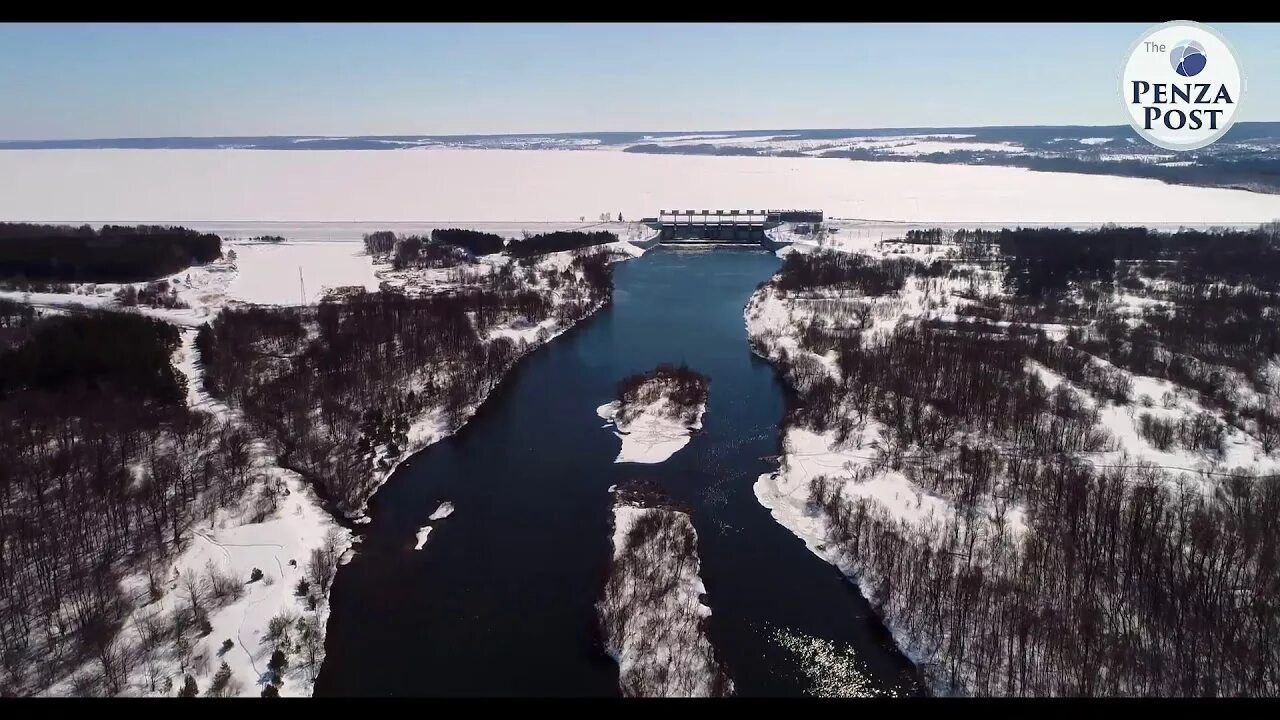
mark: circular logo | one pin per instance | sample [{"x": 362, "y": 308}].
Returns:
[
  {"x": 1188, "y": 58},
  {"x": 1174, "y": 97}
]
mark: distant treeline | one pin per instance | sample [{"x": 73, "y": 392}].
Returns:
[
  {"x": 1239, "y": 170},
  {"x": 449, "y": 246},
  {"x": 697, "y": 149},
  {"x": 113, "y": 253},
  {"x": 1256, "y": 174},
  {"x": 444, "y": 248},
  {"x": 473, "y": 241},
  {"x": 558, "y": 242},
  {"x": 1047, "y": 261}
]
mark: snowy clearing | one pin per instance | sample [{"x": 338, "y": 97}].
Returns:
[{"x": 269, "y": 273}]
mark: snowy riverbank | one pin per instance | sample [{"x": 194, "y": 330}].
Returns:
[
  {"x": 433, "y": 425},
  {"x": 254, "y": 581}
]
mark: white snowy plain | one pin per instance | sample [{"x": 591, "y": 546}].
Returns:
[
  {"x": 549, "y": 185},
  {"x": 292, "y": 273}
]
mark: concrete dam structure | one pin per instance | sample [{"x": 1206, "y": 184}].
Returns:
[{"x": 724, "y": 226}]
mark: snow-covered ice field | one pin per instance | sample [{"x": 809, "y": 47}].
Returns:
[
  {"x": 268, "y": 273},
  {"x": 448, "y": 184}
]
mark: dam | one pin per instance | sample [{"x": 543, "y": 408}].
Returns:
[{"x": 726, "y": 226}]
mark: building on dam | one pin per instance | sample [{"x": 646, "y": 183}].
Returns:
[{"x": 726, "y": 226}]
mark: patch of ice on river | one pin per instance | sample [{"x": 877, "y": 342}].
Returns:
[{"x": 832, "y": 669}]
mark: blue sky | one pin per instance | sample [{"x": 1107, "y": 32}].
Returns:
[{"x": 120, "y": 80}]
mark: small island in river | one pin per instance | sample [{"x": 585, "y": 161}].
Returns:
[{"x": 656, "y": 412}]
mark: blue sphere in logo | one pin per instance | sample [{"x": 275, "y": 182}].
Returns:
[{"x": 1188, "y": 58}]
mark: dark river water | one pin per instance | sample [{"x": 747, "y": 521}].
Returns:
[{"x": 500, "y": 600}]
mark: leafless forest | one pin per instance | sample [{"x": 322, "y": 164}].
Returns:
[{"x": 1132, "y": 578}]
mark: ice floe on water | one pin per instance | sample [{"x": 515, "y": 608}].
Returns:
[
  {"x": 832, "y": 669},
  {"x": 444, "y": 510},
  {"x": 423, "y": 532}
]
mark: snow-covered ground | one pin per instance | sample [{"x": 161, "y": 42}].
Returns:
[
  {"x": 1242, "y": 451},
  {"x": 256, "y": 273},
  {"x": 202, "y": 288},
  {"x": 273, "y": 529},
  {"x": 278, "y": 273},
  {"x": 653, "y": 435},
  {"x": 464, "y": 185},
  {"x": 280, "y": 547},
  {"x": 652, "y": 612}
]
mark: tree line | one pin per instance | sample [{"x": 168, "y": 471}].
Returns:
[
  {"x": 113, "y": 253},
  {"x": 1046, "y": 261},
  {"x": 851, "y": 270},
  {"x": 473, "y": 241},
  {"x": 559, "y": 241},
  {"x": 1259, "y": 174}
]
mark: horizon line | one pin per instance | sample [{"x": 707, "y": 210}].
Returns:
[{"x": 584, "y": 132}]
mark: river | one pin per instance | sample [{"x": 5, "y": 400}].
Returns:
[{"x": 500, "y": 599}]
